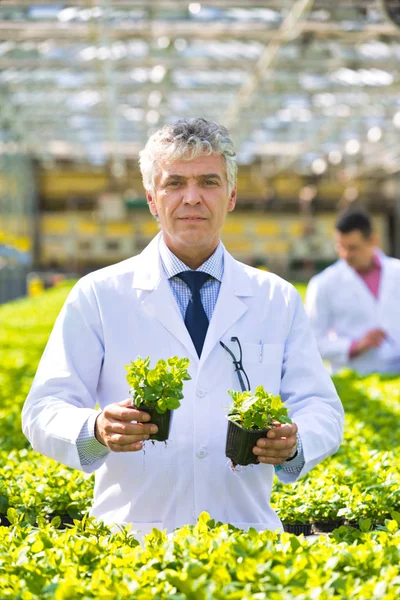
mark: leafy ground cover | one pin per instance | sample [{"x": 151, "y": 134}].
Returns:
[
  {"x": 38, "y": 559},
  {"x": 201, "y": 562},
  {"x": 363, "y": 479}
]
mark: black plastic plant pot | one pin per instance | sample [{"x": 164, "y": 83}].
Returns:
[
  {"x": 353, "y": 524},
  {"x": 162, "y": 421},
  {"x": 326, "y": 526},
  {"x": 297, "y": 528},
  {"x": 65, "y": 520},
  {"x": 4, "y": 522},
  {"x": 240, "y": 442}
]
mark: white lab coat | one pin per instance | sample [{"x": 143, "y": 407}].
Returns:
[
  {"x": 127, "y": 310},
  {"x": 342, "y": 309}
]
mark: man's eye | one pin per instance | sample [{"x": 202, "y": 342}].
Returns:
[
  {"x": 210, "y": 182},
  {"x": 173, "y": 183}
]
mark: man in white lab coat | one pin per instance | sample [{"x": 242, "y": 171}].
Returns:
[
  {"x": 353, "y": 305},
  {"x": 139, "y": 307}
]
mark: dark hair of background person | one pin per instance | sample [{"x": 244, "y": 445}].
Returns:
[{"x": 354, "y": 219}]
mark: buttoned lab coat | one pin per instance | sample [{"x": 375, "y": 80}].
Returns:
[
  {"x": 118, "y": 313},
  {"x": 341, "y": 309}
]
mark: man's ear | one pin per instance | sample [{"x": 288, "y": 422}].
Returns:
[
  {"x": 232, "y": 199},
  {"x": 374, "y": 238},
  {"x": 151, "y": 203}
]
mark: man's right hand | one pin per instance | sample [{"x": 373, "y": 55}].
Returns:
[
  {"x": 114, "y": 427},
  {"x": 372, "y": 339}
]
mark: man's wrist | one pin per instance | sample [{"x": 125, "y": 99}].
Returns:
[
  {"x": 96, "y": 431},
  {"x": 356, "y": 349},
  {"x": 294, "y": 453},
  {"x": 298, "y": 447},
  {"x": 89, "y": 448},
  {"x": 295, "y": 464}
]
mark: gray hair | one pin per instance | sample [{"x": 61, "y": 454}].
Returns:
[{"x": 186, "y": 140}]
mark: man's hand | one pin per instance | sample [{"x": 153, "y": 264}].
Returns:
[
  {"x": 372, "y": 339},
  {"x": 115, "y": 430},
  {"x": 279, "y": 445}
]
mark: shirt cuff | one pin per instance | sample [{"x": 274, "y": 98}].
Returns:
[
  {"x": 296, "y": 464},
  {"x": 89, "y": 448}
]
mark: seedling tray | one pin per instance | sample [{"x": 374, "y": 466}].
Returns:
[{"x": 298, "y": 528}]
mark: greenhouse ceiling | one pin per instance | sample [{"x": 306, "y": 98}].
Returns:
[{"x": 302, "y": 85}]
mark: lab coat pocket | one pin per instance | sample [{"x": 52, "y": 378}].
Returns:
[
  {"x": 263, "y": 365},
  {"x": 263, "y": 353}
]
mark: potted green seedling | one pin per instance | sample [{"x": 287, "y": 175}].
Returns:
[
  {"x": 250, "y": 417},
  {"x": 158, "y": 391}
]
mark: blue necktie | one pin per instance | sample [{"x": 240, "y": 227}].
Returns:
[{"x": 196, "y": 320}]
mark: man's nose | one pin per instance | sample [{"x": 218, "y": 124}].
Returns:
[{"x": 192, "y": 194}]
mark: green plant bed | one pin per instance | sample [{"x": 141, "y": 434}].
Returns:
[{"x": 196, "y": 562}]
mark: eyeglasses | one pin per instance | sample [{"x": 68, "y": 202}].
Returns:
[{"x": 238, "y": 365}]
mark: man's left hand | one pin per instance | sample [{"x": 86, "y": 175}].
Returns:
[{"x": 278, "y": 446}]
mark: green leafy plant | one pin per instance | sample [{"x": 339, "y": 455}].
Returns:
[
  {"x": 161, "y": 387},
  {"x": 258, "y": 410}
]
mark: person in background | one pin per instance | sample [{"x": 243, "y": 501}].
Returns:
[
  {"x": 354, "y": 305},
  {"x": 183, "y": 295}
]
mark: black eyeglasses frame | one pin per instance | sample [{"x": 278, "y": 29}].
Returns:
[{"x": 239, "y": 369}]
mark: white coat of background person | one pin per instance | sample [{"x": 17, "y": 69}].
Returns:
[
  {"x": 133, "y": 309},
  {"x": 354, "y": 305}
]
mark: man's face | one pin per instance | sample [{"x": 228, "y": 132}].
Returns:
[
  {"x": 191, "y": 201},
  {"x": 355, "y": 249}
]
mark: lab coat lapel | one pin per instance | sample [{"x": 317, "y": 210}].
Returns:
[
  {"x": 229, "y": 307},
  {"x": 158, "y": 299},
  {"x": 357, "y": 285},
  {"x": 387, "y": 284}
]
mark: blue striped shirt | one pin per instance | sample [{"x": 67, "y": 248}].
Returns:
[
  {"x": 89, "y": 449},
  {"x": 214, "y": 266}
]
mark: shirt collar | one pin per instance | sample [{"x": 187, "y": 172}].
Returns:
[
  {"x": 376, "y": 261},
  {"x": 172, "y": 265}
]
